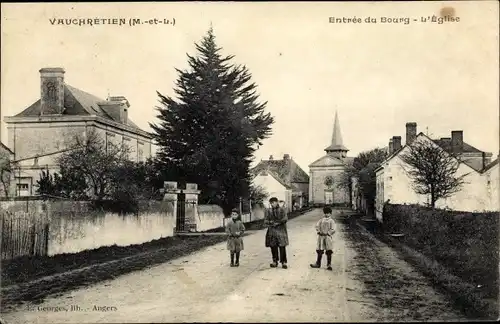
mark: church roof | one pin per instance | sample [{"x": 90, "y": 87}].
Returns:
[
  {"x": 331, "y": 161},
  {"x": 287, "y": 170},
  {"x": 76, "y": 103},
  {"x": 337, "y": 143}
]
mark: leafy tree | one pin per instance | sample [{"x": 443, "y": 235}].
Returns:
[
  {"x": 65, "y": 184},
  {"x": 433, "y": 170},
  {"x": 258, "y": 194},
  {"x": 363, "y": 168},
  {"x": 210, "y": 132},
  {"x": 46, "y": 184},
  {"x": 70, "y": 184}
]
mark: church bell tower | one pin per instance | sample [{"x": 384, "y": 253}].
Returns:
[{"x": 337, "y": 148}]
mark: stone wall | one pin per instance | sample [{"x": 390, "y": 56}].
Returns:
[{"x": 74, "y": 226}]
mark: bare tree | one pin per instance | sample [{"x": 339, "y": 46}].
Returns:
[
  {"x": 433, "y": 170},
  {"x": 94, "y": 160},
  {"x": 7, "y": 168}
]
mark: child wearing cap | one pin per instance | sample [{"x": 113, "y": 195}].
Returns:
[
  {"x": 325, "y": 228},
  {"x": 234, "y": 231}
]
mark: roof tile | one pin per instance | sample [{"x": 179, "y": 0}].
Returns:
[
  {"x": 288, "y": 171},
  {"x": 76, "y": 103}
]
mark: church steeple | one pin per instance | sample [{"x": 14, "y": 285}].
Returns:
[{"x": 337, "y": 148}]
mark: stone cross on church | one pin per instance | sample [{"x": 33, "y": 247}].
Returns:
[{"x": 325, "y": 172}]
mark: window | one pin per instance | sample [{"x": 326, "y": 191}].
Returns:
[{"x": 22, "y": 186}]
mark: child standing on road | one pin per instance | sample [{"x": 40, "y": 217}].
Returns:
[
  {"x": 234, "y": 231},
  {"x": 325, "y": 229}
]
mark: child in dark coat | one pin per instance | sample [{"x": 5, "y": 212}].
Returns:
[{"x": 234, "y": 231}]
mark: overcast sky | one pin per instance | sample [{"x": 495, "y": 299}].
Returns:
[{"x": 377, "y": 76}]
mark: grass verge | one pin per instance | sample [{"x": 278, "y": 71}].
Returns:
[
  {"x": 400, "y": 294},
  {"x": 471, "y": 300}
]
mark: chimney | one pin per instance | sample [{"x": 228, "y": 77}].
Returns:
[
  {"x": 52, "y": 91},
  {"x": 391, "y": 146},
  {"x": 457, "y": 141},
  {"x": 411, "y": 132},
  {"x": 117, "y": 108},
  {"x": 396, "y": 143},
  {"x": 286, "y": 157},
  {"x": 271, "y": 157}
]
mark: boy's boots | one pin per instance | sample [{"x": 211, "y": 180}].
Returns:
[
  {"x": 329, "y": 260},
  {"x": 237, "y": 264},
  {"x": 318, "y": 260},
  {"x": 232, "y": 259}
]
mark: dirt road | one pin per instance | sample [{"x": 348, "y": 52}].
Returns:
[{"x": 202, "y": 287}]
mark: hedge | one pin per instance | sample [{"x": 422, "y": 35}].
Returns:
[{"x": 465, "y": 243}]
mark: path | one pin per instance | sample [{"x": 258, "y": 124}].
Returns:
[{"x": 202, "y": 287}]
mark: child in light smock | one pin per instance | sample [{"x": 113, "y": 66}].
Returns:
[
  {"x": 234, "y": 231},
  {"x": 325, "y": 228}
]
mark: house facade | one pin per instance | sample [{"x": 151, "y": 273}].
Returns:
[
  {"x": 283, "y": 179},
  {"x": 393, "y": 183},
  {"x": 274, "y": 187},
  {"x": 43, "y": 131},
  {"x": 326, "y": 172}
]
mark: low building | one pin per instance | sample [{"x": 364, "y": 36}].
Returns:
[
  {"x": 283, "y": 179},
  {"x": 393, "y": 183},
  {"x": 44, "y": 130}
]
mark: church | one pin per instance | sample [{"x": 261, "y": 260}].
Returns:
[{"x": 325, "y": 173}]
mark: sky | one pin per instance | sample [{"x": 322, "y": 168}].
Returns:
[{"x": 377, "y": 76}]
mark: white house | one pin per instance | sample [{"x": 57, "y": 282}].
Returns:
[
  {"x": 275, "y": 187},
  {"x": 476, "y": 194},
  {"x": 283, "y": 179}
]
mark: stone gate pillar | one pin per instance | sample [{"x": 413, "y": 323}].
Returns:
[
  {"x": 170, "y": 199},
  {"x": 191, "y": 193}
]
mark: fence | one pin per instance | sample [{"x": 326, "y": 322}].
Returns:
[{"x": 23, "y": 233}]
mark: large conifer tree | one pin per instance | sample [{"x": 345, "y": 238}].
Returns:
[{"x": 211, "y": 130}]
